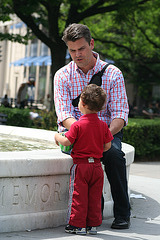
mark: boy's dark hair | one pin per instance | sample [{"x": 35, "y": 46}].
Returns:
[
  {"x": 76, "y": 31},
  {"x": 94, "y": 97}
]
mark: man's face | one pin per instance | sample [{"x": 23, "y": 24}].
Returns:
[{"x": 81, "y": 53}]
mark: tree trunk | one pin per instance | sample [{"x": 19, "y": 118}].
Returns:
[{"x": 58, "y": 56}]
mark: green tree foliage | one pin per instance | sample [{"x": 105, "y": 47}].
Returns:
[
  {"x": 131, "y": 39},
  {"x": 127, "y": 30}
]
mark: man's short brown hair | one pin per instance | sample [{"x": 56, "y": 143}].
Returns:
[
  {"x": 76, "y": 31},
  {"x": 94, "y": 97}
]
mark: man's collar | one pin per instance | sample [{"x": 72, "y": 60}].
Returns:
[{"x": 95, "y": 68}]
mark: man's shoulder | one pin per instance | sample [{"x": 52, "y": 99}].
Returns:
[
  {"x": 111, "y": 70},
  {"x": 66, "y": 69},
  {"x": 110, "y": 66}
]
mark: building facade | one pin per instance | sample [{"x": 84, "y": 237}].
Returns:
[{"x": 19, "y": 62}]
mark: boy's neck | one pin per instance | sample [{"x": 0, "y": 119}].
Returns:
[{"x": 87, "y": 111}]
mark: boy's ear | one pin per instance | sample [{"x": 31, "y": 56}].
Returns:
[{"x": 83, "y": 103}]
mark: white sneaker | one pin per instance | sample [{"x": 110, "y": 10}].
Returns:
[
  {"x": 92, "y": 230},
  {"x": 81, "y": 231}
]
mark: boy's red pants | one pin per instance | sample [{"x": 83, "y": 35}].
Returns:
[{"x": 86, "y": 184}]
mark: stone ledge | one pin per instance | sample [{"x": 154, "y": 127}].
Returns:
[
  {"x": 25, "y": 222},
  {"x": 34, "y": 163},
  {"x": 40, "y": 162},
  {"x": 34, "y": 184}
]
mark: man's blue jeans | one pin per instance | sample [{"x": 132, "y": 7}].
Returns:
[{"x": 115, "y": 168}]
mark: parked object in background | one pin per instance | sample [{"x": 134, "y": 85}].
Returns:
[
  {"x": 34, "y": 115},
  {"x": 3, "y": 119}
]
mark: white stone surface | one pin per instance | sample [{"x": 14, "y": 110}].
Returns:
[
  {"x": 34, "y": 163},
  {"x": 28, "y": 132},
  {"x": 34, "y": 184}
]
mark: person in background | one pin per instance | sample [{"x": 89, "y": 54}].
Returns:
[
  {"x": 90, "y": 136},
  {"x": 69, "y": 82},
  {"x": 47, "y": 102},
  {"x": 22, "y": 95},
  {"x": 157, "y": 109},
  {"x": 31, "y": 91},
  {"x": 5, "y": 101},
  {"x": 148, "y": 112}
]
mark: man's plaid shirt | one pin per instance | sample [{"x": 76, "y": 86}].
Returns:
[{"x": 69, "y": 82}]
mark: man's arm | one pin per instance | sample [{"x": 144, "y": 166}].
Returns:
[
  {"x": 62, "y": 99},
  {"x": 107, "y": 146},
  {"x": 68, "y": 122},
  {"x": 116, "y": 125},
  {"x": 118, "y": 102}
]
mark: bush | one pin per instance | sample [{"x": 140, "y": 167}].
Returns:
[
  {"x": 17, "y": 117},
  {"x": 48, "y": 120},
  {"x": 144, "y": 135},
  {"x": 21, "y": 118}
]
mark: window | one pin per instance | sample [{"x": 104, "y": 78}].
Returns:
[
  {"x": 42, "y": 83},
  {"x": 34, "y": 47},
  {"x": 44, "y": 50}
]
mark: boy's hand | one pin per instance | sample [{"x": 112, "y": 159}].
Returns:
[{"x": 55, "y": 138}]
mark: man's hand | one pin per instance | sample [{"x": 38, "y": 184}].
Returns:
[{"x": 116, "y": 125}]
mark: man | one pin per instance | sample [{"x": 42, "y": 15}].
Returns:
[
  {"x": 69, "y": 82},
  {"x": 23, "y": 93}
]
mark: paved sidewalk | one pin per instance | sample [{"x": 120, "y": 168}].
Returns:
[{"x": 144, "y": 183}]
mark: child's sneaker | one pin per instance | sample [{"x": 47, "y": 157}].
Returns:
[
  {"x": 76, "y": 230},
  {"x": 81, "y": 231},
  {"x": 70, "y": 229},
  {"x": 92, "y": 230}
]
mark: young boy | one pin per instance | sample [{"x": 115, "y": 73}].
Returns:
[{"x": 90, "y": 137}]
